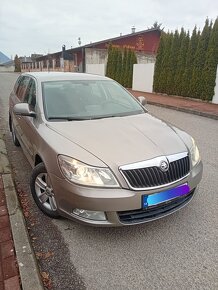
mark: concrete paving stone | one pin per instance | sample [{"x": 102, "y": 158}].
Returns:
[
  {"x": 2, "y": 147},
  {"x": 1, "y": 185},
  {"x": 4, "y": 164},
  {"x": 9, "y": 268},
  {"x": 5, "y": 235},
  {"x": 4, "y": 222},
  {"x": 12, "y": 283},
  {"x": 10, "y": 193},
  {"x": 7, "y": 249},
  {"x": 3, "y": 210}
]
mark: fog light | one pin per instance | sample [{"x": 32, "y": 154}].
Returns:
[{"x": 89, "y": 214}]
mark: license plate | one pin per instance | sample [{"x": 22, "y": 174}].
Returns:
[{"x": 156, "y": 198}]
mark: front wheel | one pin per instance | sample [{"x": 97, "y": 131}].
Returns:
[{"x": 42, "y": 191}]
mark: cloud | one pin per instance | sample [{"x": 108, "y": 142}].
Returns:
[{"x": 41, "y": 26}]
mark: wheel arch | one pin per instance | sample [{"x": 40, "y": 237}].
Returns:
[
  {"x": 9, "y": 121},
  {"x": 38, "y": 159}
]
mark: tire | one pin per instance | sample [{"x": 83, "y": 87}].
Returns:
[
  {"x": 42, "y": 191},
  {"x": 14, "y": 137}
]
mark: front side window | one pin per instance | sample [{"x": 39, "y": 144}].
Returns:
[
  {"x": 17, "y": 83},
  {"x": 22, "y": 87},
  {"x": 30, "y": 94},
  {"x": 87, "y": 99}
]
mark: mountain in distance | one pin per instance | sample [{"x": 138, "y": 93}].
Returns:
[{"x": 3, "y": 58}]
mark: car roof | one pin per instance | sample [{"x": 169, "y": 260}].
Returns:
[{"x": 58, "y": 76}]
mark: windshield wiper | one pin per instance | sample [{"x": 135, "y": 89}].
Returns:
[
  {"x": 69, "y": 118},
  {"x": 119, "y": 115},
  {"x": 103, "y": 117}
]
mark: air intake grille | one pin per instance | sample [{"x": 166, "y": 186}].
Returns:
[
  {"x": 141, "y": 215},
  {"x": 153, "y": 176}
]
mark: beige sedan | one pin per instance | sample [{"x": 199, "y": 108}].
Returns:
[{"x": 97, "y": 155}]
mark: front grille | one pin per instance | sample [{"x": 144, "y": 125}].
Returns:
[
  {"x": 153, "y": 176},
  {"x": 141, "y": 215}
]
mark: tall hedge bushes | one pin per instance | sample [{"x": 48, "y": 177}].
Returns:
[
  {"x": 187, "y": 65},
  {"x": 120, "y": 65}
]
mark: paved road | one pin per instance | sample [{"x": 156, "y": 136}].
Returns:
[{"x": 177, "y": 252}]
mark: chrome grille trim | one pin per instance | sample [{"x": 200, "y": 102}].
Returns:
[{"x": 146, "y": 175}]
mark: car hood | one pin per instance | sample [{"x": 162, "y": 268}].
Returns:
[{"x": 122, "y": 140}]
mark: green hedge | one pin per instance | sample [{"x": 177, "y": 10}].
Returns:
[
  {"x": 185, "y": 65},
  {"x": 120, "y": 65}
]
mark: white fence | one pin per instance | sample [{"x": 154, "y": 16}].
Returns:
[
  {"x": 215, "y": 97},
  {"x": 143, "y": 75},
  {"x": 97, "y": 69}
]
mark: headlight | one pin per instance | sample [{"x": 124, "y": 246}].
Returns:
[
  {"x": 84, "y": 174},
  {"x": 195, "y": 155}
]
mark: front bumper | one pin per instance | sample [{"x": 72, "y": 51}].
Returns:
[{"x": 119, "y": 202}]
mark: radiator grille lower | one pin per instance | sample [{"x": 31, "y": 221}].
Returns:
[{"x": 141, "y": 215}]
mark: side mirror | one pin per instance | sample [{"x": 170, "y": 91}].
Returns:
[
  {"x": 142, "y": 100},
  {"x": 23, "y": 109}
]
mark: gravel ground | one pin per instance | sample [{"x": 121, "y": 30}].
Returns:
[{"x": 177, "y": 252}]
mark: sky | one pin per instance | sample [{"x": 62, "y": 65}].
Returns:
[{"x": 43, "y": 26}]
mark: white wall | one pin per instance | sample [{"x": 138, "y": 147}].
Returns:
[
  {"x": 143, "y": 75},
  {"x": 98, "y": 69},
  {"x": 215, "y": 97},
  {"x": 7, "y": 68}
]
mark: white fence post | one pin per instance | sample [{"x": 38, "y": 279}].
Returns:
[
  {"x": 143, "y": 75},
  {"x": 215, "y": 97},
  {"x": 97, "y": 69}
]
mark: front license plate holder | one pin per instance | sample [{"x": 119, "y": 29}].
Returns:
[{"x": 164, "y": 196}]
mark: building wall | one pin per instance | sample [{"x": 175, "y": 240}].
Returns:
[
  {"x": 96, "y": 56},
  {"x": 66, "y": 66},
  {"x": 99, "y": 56},
  {"x": 146, "y": 42},
  {"x": 145, "y": 58}
]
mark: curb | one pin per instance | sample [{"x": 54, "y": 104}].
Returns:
[
  {"x": 28, "y": 269},
  {"x": 190, "y": 111}
]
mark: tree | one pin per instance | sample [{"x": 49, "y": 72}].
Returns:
[
  {"x": 196, "y": 85},
  {"x": 119, "y": 66},
  {"x": 159, "y": 63},
  {"x": 132, "y": 61},
  {"x": 210, "y": 66},
  {"x": 125, "y": 68},
  {"x": 166, "y": 63},
  {"x": 181, "y": 62},
  {"x": 190, "y": 58},
  {"x": 17, "y": 64},
  {"x": 109, "y": 61},
  {"x": 173, "y": 63},
  {"x": 156, "y": 25}
]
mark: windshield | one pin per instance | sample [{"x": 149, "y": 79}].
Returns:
[{"x": 87, "y": 99}]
